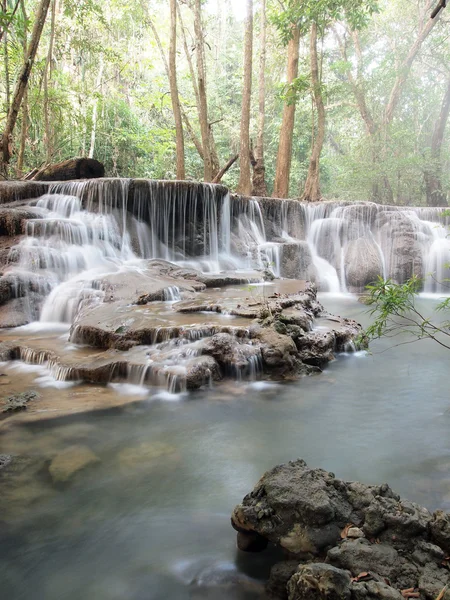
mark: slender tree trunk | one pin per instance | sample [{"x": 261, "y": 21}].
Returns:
[
  {"x": 245, "y": 185},
  {"x": 425, "y": 28},
  {"x": 259, "y": 171},
  {"x": 48, "y": 136},
  {"x": 195, "y": 139},
  {"x": 24, "y": 126},
  {"x": 197, "y": 143},
  {"x": 312, "y": 185},
  {"x": 433, "y": 185},
  {"x": 170, "y": 68},
  {"x": 21, "y": 86},
  {"x": 181, "y": 172},
  {"x": 95, "y": 109},
  {"x": 225, "y": 169},
  {"x": 6, "y": 62},
  {"x": 284, "y": 156},
  {"x": 201, "y": 83}
]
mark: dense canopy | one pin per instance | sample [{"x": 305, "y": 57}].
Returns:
[{"x": 328, "y": 98}]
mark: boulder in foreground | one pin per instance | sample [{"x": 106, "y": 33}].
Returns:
[{"x": 344, "y": 540}]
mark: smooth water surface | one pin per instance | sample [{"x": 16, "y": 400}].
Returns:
[{"x": 151, "y": 519}]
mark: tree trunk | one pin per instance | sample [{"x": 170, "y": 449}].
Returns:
[
  {"x": 259, "y": 171},
  {"x": 171, "y": 76},
  {"x": 95, "y": 109},
  {"x": 170, "y": 68},
  {"x": 24, "y": 126},
  {"x": 48, "y": 136},
  {"x": 312, "y": 185},
  {"x": 181, "y": 172},
  {"x": 245, "y": 186},
  {"x": 405, "y": 67},
  {"x": 195, "y": 139},
  {"x": 6, "y": 61},
  {"x": 284, "y": 156},
  {"x": 21, "y": 86},
  {"x": 211, "y": 150},
  {"x": 433, "y": 185},
  {"x": 23, "y": 136},
  {"x": 225, "y": 169},
  {"x": 201, "y": 82}
]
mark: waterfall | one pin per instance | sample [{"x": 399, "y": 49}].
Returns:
[{"x": 86, "y": 230}]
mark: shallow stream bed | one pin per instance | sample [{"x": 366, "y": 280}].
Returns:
[{"x": 150, "y": 519}]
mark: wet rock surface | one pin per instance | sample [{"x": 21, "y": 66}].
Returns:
[
  {"x": 188, "y": 343},
  {"x": 271, "y": 335},
  {"x": 363, "y": 263},
  {"x": 297, "y": 262},
  {"x": 349, "y": 540}
]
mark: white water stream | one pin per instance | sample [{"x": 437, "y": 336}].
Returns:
[{"x": 94, "y": 228}]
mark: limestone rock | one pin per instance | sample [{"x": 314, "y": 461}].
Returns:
[
  {"x": 278, "y": 351},
  {"x": 296, "y": 261},
  {"x": 319, "y": 582},
  {"x": 440, "y": 529},
  {"x": 362, "y": 263},
  {"x": 305, "y": 511},
  {"x": 355, "y": 532},
  {"x": 231, "y": 354},
  {"x": 71, "y": 461},
  {"x": 374, "y": 590},
  {"x": 201, "y": 371},
  {"x": 280, "y": 574}
]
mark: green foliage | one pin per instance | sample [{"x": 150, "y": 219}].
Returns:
[
  {"x": 291, "y": 93},
  {"x": 302, "y": 13},
  {"x": 395, "y": 312}
]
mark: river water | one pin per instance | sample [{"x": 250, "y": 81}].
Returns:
[{"x": 150, "y": 520}]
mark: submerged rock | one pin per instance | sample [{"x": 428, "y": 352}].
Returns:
[
  {"x": 71, "y": 461},
  {"x": 351, "y": 541},
  {"x": 144, "y": 454}
]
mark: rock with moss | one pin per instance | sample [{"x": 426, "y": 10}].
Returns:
[{"x": 17, "y": 402}]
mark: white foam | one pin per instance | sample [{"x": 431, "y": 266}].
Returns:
[
  {"x": 47, "y": 381},
  {"x": 41, "y": 327},
  {"x": 168, "y": 396},
  {"x": 263, "y": 385},
  {"x": 129, "y": 389}
]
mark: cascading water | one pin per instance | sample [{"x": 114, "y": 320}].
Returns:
[
  {"x": 92, "y": 228},
  {"x": 86, "y": 233}
]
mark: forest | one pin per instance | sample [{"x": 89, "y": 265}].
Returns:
[{"x": 336, "y": 99}]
